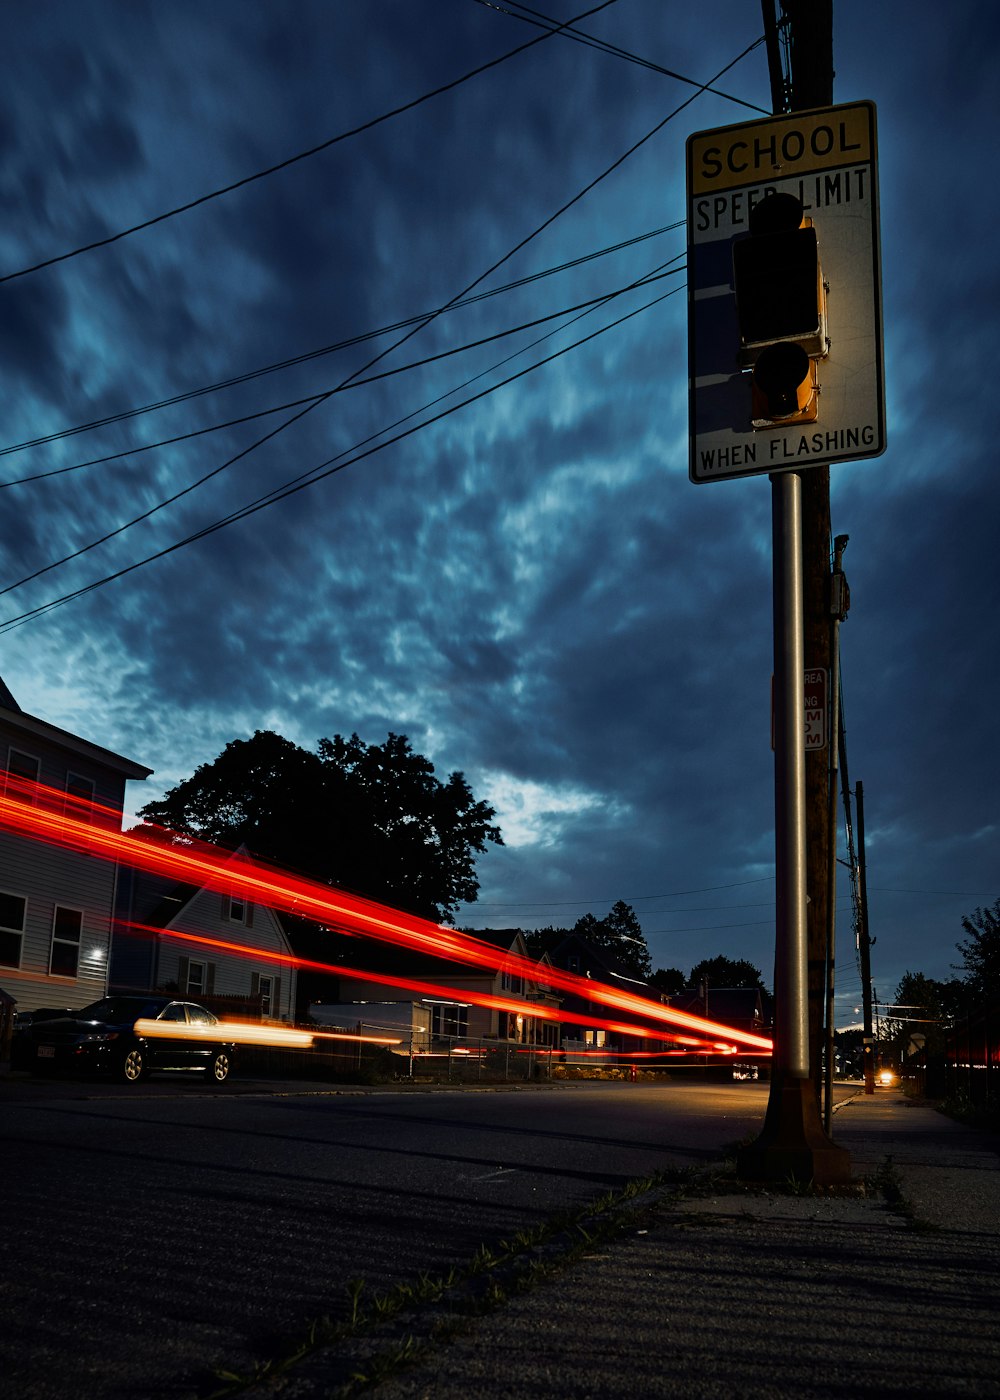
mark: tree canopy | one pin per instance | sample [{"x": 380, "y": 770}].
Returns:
[
  {"x": 618, "y": 934},
  {"x": 370, "y": 818},
  {"x": 726, "y": 972},
  {"x": 922, "y": 1007},
  {"x": 668, "y": 980},
  {"x": 981, "y": 953}
]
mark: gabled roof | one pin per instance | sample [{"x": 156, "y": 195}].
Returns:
[
  {"x": 731, "y": 1005},
  {"x": 506, "y": 938},
  {"x": 596, "y": 960},
  {"x": 167, "y": 903},
  {"x": 12, "y": 714},
  {"x": 375, "y": 955}
]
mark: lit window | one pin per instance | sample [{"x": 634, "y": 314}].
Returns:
[
  {"x": 67, "y": 925},
  {"x": 13, "y": 908}
]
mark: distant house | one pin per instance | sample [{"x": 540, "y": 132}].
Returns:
[
  {"x": 744, "y": 1008},
  {"x": 455, "y": 1014},
  {"x": 56, "y": 905},
  {"x": 571, "y": 952},
  {"x": 244, "y": 966}
]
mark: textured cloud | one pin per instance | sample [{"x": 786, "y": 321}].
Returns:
[{"x": 529, "y": 588}]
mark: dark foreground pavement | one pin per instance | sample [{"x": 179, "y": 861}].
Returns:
[{"x": 746, "y": 1296}]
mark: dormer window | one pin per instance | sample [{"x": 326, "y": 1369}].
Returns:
[{"x": 237, "y": 910}]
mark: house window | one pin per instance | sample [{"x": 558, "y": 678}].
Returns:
[
  {"x": 597, "y": 1038},
  {"x": 266, "y": 995},
  {"x": 67, "y": 926},
  {"x": 237, "y": 910},
  {"x": 510, "y": 983},
  {"x": 23, "y": 765},
  {"x": 82, "y": 789},
  {"x": 449, "y": 1020},
  {"x": 195, "y": 978},
  {"x": 13, "y": 908}
]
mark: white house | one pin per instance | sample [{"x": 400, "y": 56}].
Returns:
[
  {"x": 211, "y": 947},
  {"x": 56, "y": 905}
]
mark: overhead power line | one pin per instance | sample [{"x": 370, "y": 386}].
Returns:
[
  {"x": 326, "y": 469},
  {"x": 453, "y": 350},
  {"x": 308, "y": 402},
  {"x": 308, "y": 355},
  {"x": 628, "y": 899},
  {"x": 300, "y": 155},
  {"x": 954, "y": 894},
  {"x": 569, "y": 31},
  {"x": 339, "y": 463}
]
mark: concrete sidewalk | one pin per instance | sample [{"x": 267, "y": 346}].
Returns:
[{"x": 752, "y": 1296}]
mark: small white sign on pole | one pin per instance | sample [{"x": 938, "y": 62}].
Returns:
[{"x": 816, "y": 709}]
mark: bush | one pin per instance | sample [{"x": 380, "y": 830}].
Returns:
[{"x": 984, "y": 1115}]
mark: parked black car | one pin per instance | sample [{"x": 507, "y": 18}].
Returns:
[{"x": 102, "y": 1038}]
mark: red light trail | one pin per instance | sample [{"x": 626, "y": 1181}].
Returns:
[
  {"x": 436, "y": 990},
  {"x": 44, "y": 814}
]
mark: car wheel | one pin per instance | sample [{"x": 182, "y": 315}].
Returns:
[
  {"x": 218, "y": 1067},
  {"x": 133, "y": 1066}
]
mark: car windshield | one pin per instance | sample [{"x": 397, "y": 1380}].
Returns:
[{"x": 120, "y": 1009}]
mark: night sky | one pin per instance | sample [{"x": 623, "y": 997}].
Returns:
[{"x": 517, "y": 575}]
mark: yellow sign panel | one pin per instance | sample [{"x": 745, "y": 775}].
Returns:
[{"x": 780, "y": 147}]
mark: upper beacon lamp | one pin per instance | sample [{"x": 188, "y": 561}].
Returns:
[{"x": 781, "y": 311}]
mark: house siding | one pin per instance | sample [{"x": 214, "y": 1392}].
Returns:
[
  {"x": 482, "y": 1023},
  {"x": 156, "y": 957},
  {"x": 48, "y": 877}
]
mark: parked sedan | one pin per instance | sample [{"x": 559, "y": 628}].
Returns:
[{"x": 129, "y": 1037}]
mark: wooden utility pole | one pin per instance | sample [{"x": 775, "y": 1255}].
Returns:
[
  {"x": 793, "y": 1141},
  {"x": 805, "y": 29},
  {"x": 865, "y": 947}
]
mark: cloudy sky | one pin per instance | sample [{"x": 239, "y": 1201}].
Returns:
[{"x": 496, "y": 549}]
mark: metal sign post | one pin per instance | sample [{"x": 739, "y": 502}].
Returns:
[
  {"x": 791, "y": 1041},
  {"x": 793, "y": 1143}
]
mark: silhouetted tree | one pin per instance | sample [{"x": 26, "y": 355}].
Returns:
[
  {"x": 726, "y": 972},
  {"x": 920, "y": 1017},
  {"x": 981, "y": 953},
  {"x": 669, "y": 980},
  {"x": 620, "y": 934},
  {"x": 371, "y": 818}
]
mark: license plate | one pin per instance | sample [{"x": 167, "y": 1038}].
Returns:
[{"x": 46, "y": 1052}]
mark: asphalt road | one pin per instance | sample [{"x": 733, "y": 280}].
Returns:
[{"x": 154, "y": 1235}]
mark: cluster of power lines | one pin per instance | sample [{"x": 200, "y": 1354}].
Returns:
[{"x": 292, "y": 411}]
